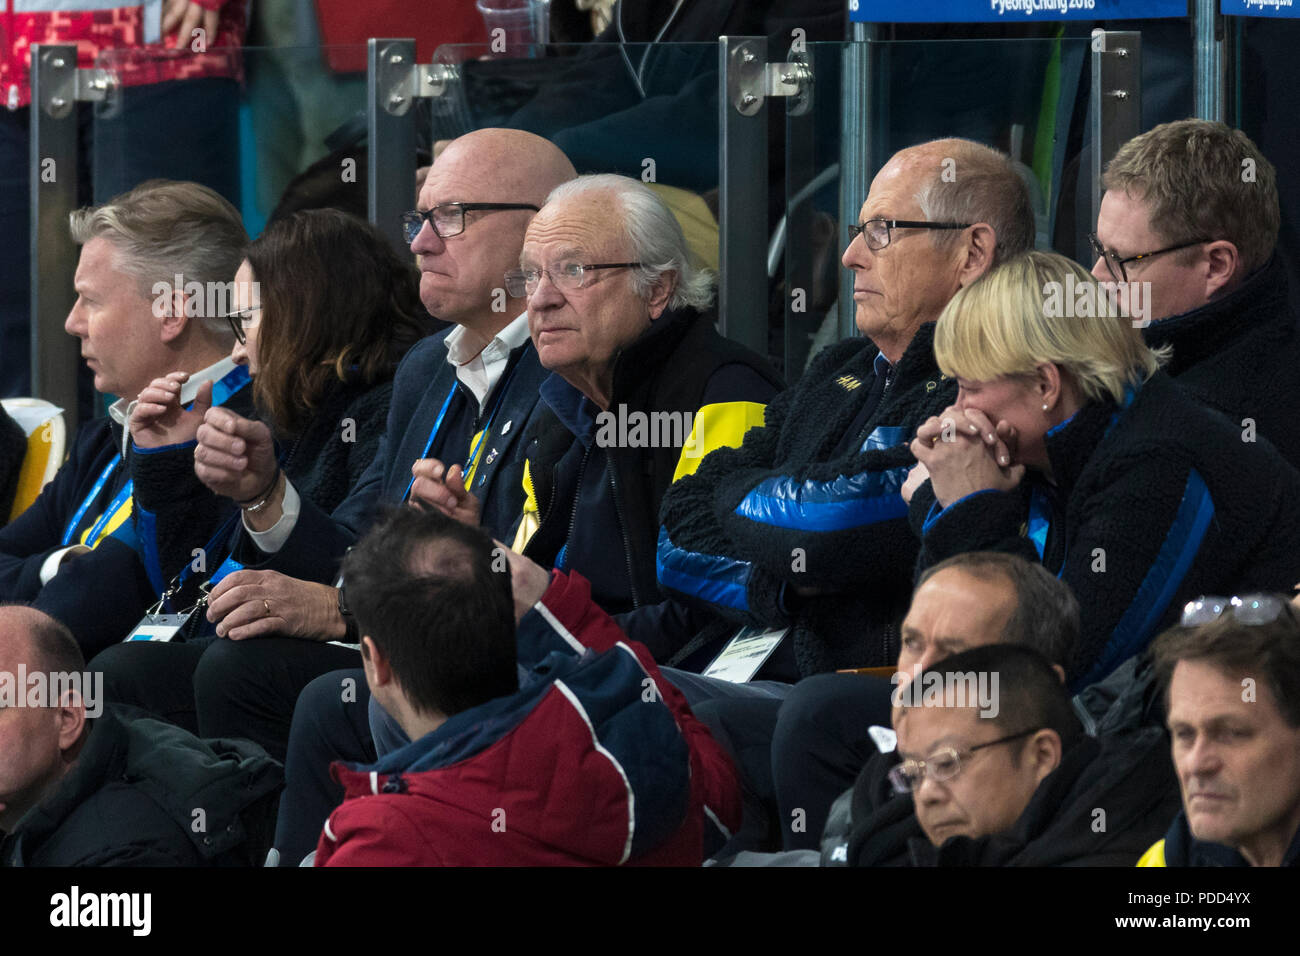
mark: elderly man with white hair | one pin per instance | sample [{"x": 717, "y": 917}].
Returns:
[{"x": 642, "y": 388}]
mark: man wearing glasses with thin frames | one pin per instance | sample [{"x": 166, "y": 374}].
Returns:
[
  {"x": 804, "y": 528},
  {"x": 1191, "y": 214}
]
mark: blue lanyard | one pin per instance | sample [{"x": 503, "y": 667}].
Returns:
[
  {"x": 229, "y": 383},
  {"x": 209, "y": 548},
  {"x": 487, "y": 426},
  {"x": 437, "y": 426},
  {"x": 89, "y": 500}
]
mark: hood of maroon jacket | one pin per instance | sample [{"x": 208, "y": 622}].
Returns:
[{"x": 597, "y": 760}]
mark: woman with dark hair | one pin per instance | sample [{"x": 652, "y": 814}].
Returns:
[{"x": 323, "y": 310}]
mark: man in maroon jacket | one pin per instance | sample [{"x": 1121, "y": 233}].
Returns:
[{"x": 555, "y": 742}]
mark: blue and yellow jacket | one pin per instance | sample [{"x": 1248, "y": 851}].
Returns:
[
  {"x": 812, "y": 500},
  {"x": 594, "y": 478}
]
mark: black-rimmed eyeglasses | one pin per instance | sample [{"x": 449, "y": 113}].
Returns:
[
  {"x": 1116, "y": 264},
  {"x": 878, "y": 233},
  {"x": 448, "y": 219},
  {"x": 241, "y": 320}
]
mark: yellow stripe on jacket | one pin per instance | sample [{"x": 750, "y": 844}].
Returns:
[
  {"x": 718, "y": 425},
  {"x": 721, "y": 425},
  {"x": 1155, "y": 856},
  {"x": 120, "y": 515}
]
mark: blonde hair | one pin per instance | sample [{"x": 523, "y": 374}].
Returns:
[
  {"x": 1202, "y": 180},
  {"x": 162, "y": 229},
  {"x": 1005, "y": 324}
]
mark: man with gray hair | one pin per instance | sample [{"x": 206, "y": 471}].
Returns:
[
  {"x": 642, "y": 388},
  {"x": 1188, "y": 230},
  {"x": 153, "y": 286},
  {"x": 803, "y": 529}
]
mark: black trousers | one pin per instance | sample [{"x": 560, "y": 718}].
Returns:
[
  {"x": 330, "y": 723},
  {"x": 797, "y": 755},
  {"x": 219, "y": 687}
]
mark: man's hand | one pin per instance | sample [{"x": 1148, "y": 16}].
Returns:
[
  {"x": 961, "y": 452},
  {"x": 528, "y": 580},
  {"x": 158, "y": 418},
  {"x": 235, "y": 457},
  {"x": 183, "y": 17},
  {"x": 260, "y": 603},
  {"x": 443, "y": 488}
]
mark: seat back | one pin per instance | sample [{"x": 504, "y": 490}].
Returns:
[{"x": 47, "y": 442}]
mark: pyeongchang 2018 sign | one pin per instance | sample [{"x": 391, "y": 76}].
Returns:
[
  {"x": 1260, "y": 8},
  {"x": 1000, "y": 11}
]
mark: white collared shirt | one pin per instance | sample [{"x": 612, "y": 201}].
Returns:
[{"x": 480, "y": 370}]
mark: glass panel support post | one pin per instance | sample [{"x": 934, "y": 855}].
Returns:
[
  {"x": 1115, "y": 105},
  {"x": 57, "y": 86},
  {"x": 742, "y": 191}
]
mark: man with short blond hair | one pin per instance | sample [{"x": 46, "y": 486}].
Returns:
[
  {"x": 149, "y": 259},
  {"x": 1188, "y": 230}
]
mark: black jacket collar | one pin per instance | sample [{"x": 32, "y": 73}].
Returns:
[
  {"x": 1071, "y": 444},
  {"x": 645, "y": 356},
  {"x": 1203, "y": 333}
]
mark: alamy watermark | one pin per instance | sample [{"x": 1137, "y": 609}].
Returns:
[
  {"x": 947, "y": 689},
  {"x": 212, "y": 300},
  {"x": 48, "y": 688},
  {"x": 1088, "y": 299},
  {"x": 637, "y": 429}
]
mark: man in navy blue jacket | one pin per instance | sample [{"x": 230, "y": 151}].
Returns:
[
  {"x": 461, "y": 399},
  {"x": 74, "y": 552}
]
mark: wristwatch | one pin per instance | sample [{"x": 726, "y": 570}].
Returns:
[{"x": 353, "y": 632}]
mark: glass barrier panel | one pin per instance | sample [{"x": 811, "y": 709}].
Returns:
[
  {"x": 266, "y": 127},
  {"x": 1026, "y": 97}
]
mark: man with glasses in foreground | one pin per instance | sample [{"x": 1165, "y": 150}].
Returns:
[
  {"x": 1007, "y": 781},
  {"x": 1188, "y": 231},
  {"x": 1231, "y": 680}
]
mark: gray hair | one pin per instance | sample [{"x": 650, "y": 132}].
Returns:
[
  {"x": 985, "y": 188},
  {"x": 163, "y": 229},
  {"x": 658, "y": 242},
  {"x": 1046, "y": 616}
]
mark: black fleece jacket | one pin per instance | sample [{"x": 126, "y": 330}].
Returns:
[
  {"x": 323, "y": 463},
  {"x": 1166, "y": 504},
  {"x": 789, "y": 509},
  {"x": 1240, "y": 355},
  {"x": 680, "y": 365}
]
